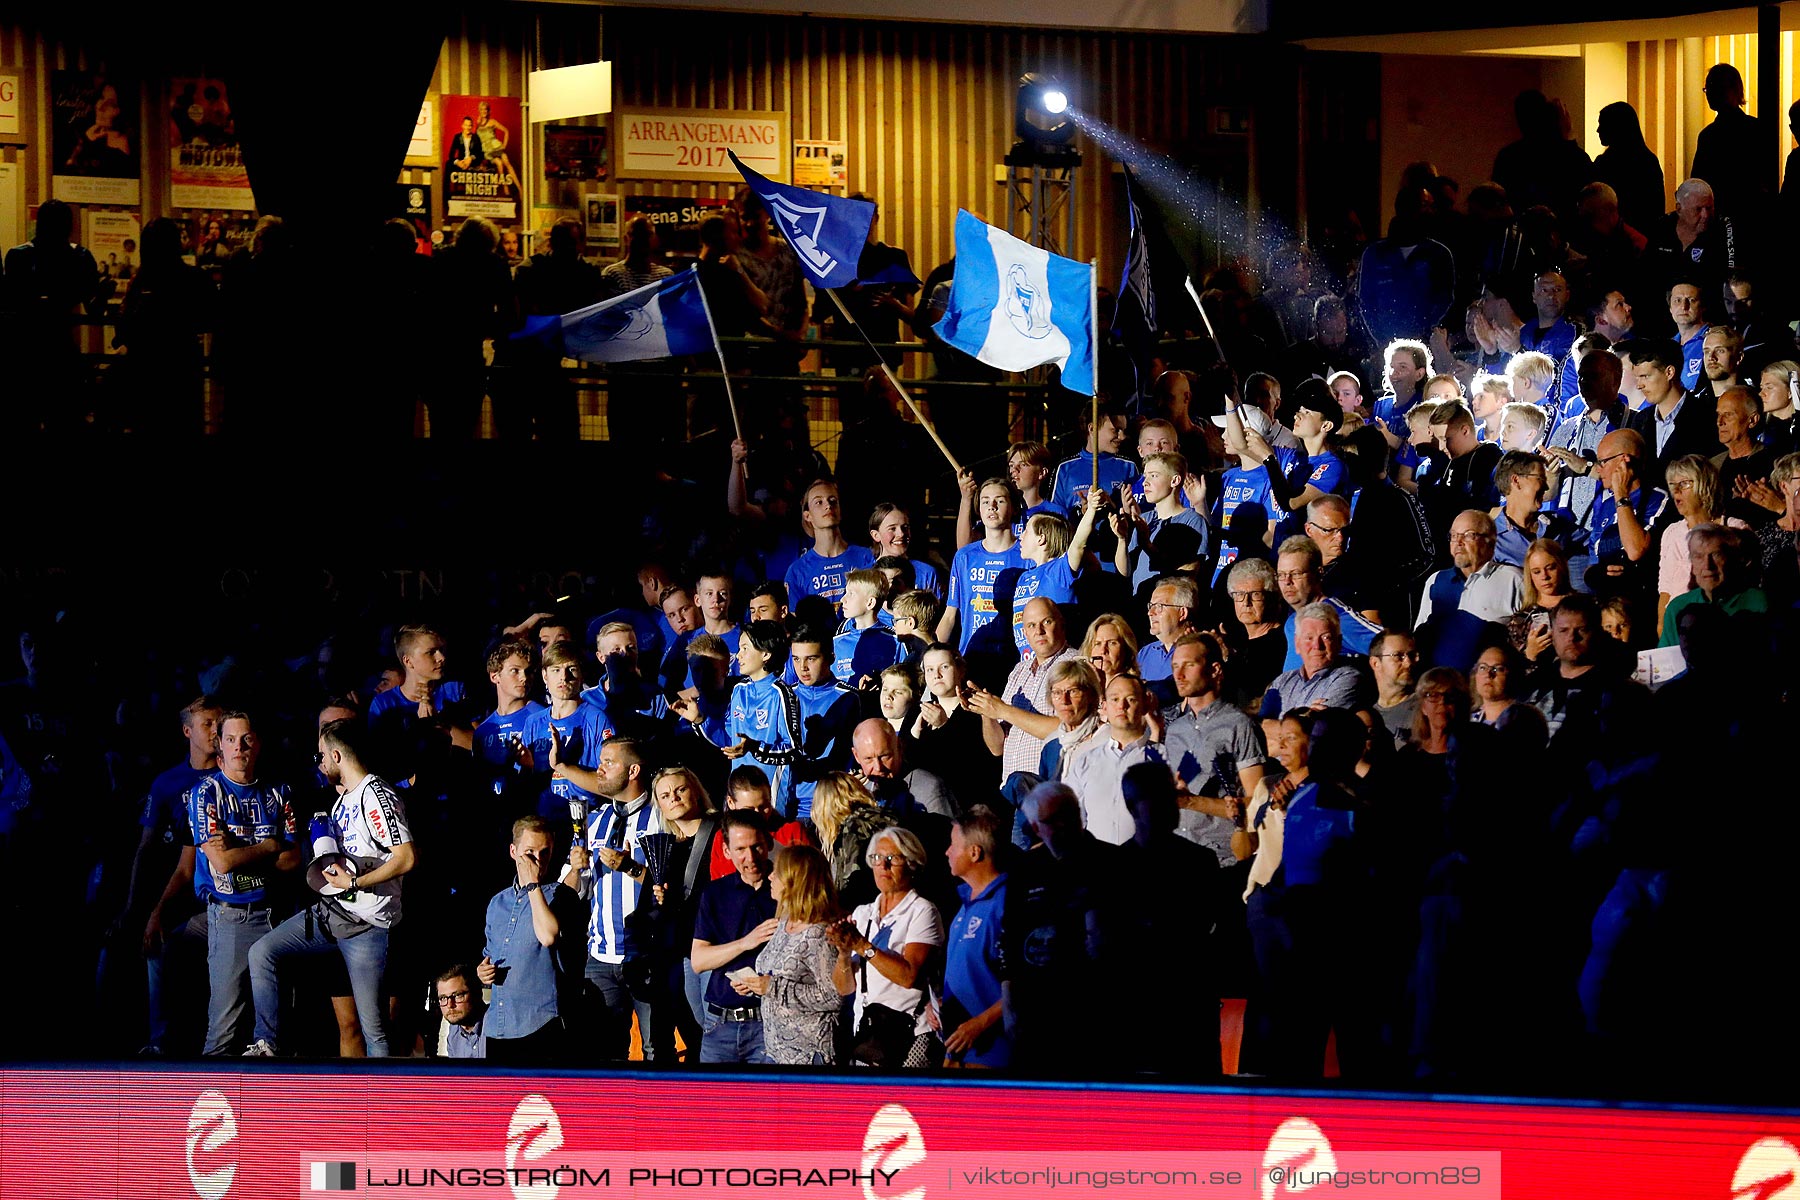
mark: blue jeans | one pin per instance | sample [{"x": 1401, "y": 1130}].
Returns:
[
  {"x": 180, "y": 947},
  {"x": 304, "y": 935},
  {"x": 725, "y": 1041},
  {"x": 230, "y": 933}
]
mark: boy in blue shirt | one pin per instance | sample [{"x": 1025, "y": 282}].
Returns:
[
  {"x": 764, "y": 724},
  {"x": 1075, "y": 475},
  {"x": 828, "y": 713},
  {"x": 864, "y": 646},
  {"x": 1053, "y": 562},
  {"x": 500, "y": 738},
  {"x": 822, "y": 570}
]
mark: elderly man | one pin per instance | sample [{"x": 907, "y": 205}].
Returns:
[
  {"x": 881, "y": 760},
  {"x": 1394, "y": 659},
  {"x": 1015, "y": 727},
  {"x": 1721, "y": 577},
  {"x": 1097, "y": 769},
  {"x": 1477, "y": 582},
  {"x": 1341, "y": 569},
  {"x": 1173, "y": 603},
  {"x": 1214, "y": 749},
  {"x": 1323, "y": 679},
  {"x": 1551, "y": 333},
  {"x": 1299, "y": 574},
  {"x": 1628, "y": 517},
  {"x": 1744, "y": 465}
]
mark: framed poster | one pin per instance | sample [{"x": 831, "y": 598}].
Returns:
[
  {"x": 820, "y": 164},
  {"x": 112, "y": 238},
  {"x": 210, "y": 238},
  {"x": 12, "y": 117},
  {"x": 480, "y": 177},
  {"x": 94, "y": 144},
  {"x": 602, "y": 221},
  {"x": 575, "y": 152},
  {"x": 206, "y": 168},
  {"x": 691, "y": 143}
]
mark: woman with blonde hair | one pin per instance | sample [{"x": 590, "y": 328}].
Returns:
[
  {"x": 1110, "y": 646},
  {"x": 1546, "y": 584},
  {"x": 800, "y": 1001},
  {"x": 1693, "y": 484},
  {"x": 846, "y": 817},
  {"x": 691, "y": 822}
]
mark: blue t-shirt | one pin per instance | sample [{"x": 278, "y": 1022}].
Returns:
[
  {"x": 925, "y": 576},
  {"x": 1247, "y": 488},
  {"x": 583, "y": 733},
  {"x": 1358, "y": 634},
  {"x": 1693, "y": 359},
  {"x": 394, "y": 726},
  {"x": 1137, "y": 491},
  {"x": 1054, "y": 580},
  {"x": 1312, "y": 835},
  {"x": 1143, "y": 569},
  {"x": 815, "y": 575},
  {"x": 493, "y": 744},
  {"x": 972, "y": 968},
  {"x": 1389, "y": 412},
  {"x": 247, "y": 813},
  {"x": 1076, "y": 475},
  {"x": 972, "y": 576},
  {"x": 828, "y": 713},
  {"x": 166, "y": 810},
  {"x": 1047, "y": 507},
  {"x": 859, "y": 652}
]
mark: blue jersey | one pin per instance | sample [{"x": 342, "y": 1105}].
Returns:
[
  {"x": 616, "y": 929},
  {"x": 1649, "y": 503},
  {"x": 1246, "y": 488},
  {"x": 1323, "y": 471},
  {"x": 1076, "y": 475},
  {"x": 394, "y": 723},
  {"x": 926, "y": 576},
  {"x": 972, "y": 576},
  {"x": 815, "y": 575},
  {"x": 1143, "y": 568},
  {"x": 166, "y": 810},
  {"x": 859, "y": 652},
  {"x": 583, "y": 733},
  {"x": 1054, "y": 580},
  {"x": 828, "y": 713},
  {"x": 1693, "y": 359},
  {"x": 493, "y": 744},
  {"x": 973, "y": 967},
  {"x": 1390, "y": 413},
  {"x": 1312, "y": 836},
  {"x": 246, "y": 813},
  {"x": 768, "y": 713},
  {"x": 1049, "y": 508}
]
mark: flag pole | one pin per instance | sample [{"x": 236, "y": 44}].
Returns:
[
  {"x": 1218, "y": 349},
  {"x": 1094, "y": 318},
  {"x": 736, "y": 428},
  {"x": 894, "y": 381}
]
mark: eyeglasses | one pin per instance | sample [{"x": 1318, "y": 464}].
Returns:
[
  {"x": 1400, "y": 655},
  {"x": 890, "y": 861},
  {"x": 1440, "y": 697},
  {"x": 1621, "y": 454},
  {"x": 1476, "y": 536},
  {"x": 1327, "y": 530},
  {"x": 1681, "y": 485},
  {"x": 1292, "y": 576},
  {"x": 1246, "y": 597},
  {"x": 446, "y": 999},
  {"x": 1158, "y": 605},
  {"x": 1490, "y": 668}
]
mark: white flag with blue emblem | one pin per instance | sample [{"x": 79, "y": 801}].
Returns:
[
  {"x": 827, "y": 233},
  {"x": 1016, "y": 306},
  {"x": 664, "y": 319}
]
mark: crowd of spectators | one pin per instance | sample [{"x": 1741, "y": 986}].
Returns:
[{"x": 1495, "y": 608}]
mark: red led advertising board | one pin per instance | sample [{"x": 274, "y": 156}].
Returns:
[{"x": 273, "y": 1132}]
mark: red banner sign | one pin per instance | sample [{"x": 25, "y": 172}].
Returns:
[{"x": 238, "y": 1135}]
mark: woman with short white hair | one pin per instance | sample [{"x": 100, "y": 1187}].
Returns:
[{"x": 887, "y": 953}]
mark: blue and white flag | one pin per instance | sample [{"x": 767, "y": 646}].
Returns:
[
  {"x": 1015, "y": 306},
  {"x": 826, "y": 232},
  {"x": 664, "y": 319}
]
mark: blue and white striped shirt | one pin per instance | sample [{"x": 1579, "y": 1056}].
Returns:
[{"x": 615, "y": 930}]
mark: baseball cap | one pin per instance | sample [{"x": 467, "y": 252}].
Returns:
[{"x": 1313, "y": 396}]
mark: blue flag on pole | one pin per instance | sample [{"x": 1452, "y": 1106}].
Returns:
[
  {"x": 1016, "y": 306},
  {"x": 826, "y": 232},
  {"x": 664, "y": 319}
]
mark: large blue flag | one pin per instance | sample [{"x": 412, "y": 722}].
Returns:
[
  {"x": 664, "y": 319},
  {"x": 1134, "y": 320},
  {"x": 1016, "y": 306},
  {"x": 826, "y": 232}
]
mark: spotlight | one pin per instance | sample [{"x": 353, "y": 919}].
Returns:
[
  {"x": 1055, "y": 101},
  {"x": 1043, "y": 125}
]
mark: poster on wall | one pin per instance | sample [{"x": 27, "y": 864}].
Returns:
[
  {"x": 422, "y": 150},
  {"x": 543, "y": 216},
  {"x": 412, "y": 203},
  {"x": 12, "y": 205},
  {"x": 820, "y": 164},
  {"x": 112, "y": 238},
  {"x": 602, "y": 223},
  {"x": 480, "y": 175},
  {"x": 94, "y": 129},
  {"x": 685, "y": 143},
  {"x": 575, "y": 152},
  {"x": 12, "y": 120},
  {"x": 209, "y": 238},
  {"x": 206, "y": 166},
  {"x": 676, "y": 219}
]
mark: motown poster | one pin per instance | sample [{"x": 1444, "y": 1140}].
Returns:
[
  {"x": 206, "y": 167},
  {"x": 94, "y": 137},
  {"x": 483, "y": 140}
]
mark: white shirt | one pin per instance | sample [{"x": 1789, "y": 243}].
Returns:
[
  {"x": 914, "y": 919},
  {"x": 1097, "y": 776},
  {"x": 1492, "y": 593},
  {"x": 370, "y": 821}
]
